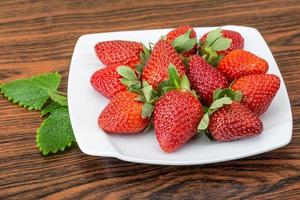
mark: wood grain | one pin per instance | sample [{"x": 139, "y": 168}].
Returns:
[{"x": 39, "y": 36}]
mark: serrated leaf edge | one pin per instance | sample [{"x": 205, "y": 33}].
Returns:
[
  {"x": 29, "y": 107},
  {"x": 47, "y": 152}
]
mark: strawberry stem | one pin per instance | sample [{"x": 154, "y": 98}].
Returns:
[{"x": 209, "y": 54}]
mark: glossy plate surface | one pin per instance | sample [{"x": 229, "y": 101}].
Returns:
[{"x": 85, "y": 104}]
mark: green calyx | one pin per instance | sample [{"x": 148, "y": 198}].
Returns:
[
  {"x": 184, "y": 43},
  {"x": 213, "y": 108},
  {"x": 185, "y": 61},
  {"x": 174, "y": 77},
  {"x": 234, "y": 95},
  {"x": 149, "y": 96},
  {"x": 221, "y": 97},
  {"x": 129, "y": 79},
  {"x": 146, "y": 93},
  {"x": 175, "y": 82},
  {"x": 214, "y": 42},
  {"x": 144, "y": 56}
]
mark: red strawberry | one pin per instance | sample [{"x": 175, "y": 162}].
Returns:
[
  {"x": 234, "y": 121},
  {"x": 119, "y": 52},
  {"x": 176, "y": 114},
  {"x": 181, "y": 30},
  {"x": 123, "y": 115},
  {"x": 258, "y": 91},
  {"x": 205, "y": 79},
  {"x": 176, "y": 117},
  {"x": 240, "y": 63},
  {"x": 107, "y": 82},
  {"x": 156, "y": 68},
  {"x": 237, "y": 41}
]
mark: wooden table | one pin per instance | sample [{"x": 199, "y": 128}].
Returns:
[{"x": 40, "y": 36}]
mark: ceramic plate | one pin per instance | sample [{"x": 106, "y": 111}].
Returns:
[{"x": 85, "y": 104}]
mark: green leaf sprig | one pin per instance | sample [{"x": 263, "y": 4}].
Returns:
[{"x": 40, "y": 93}]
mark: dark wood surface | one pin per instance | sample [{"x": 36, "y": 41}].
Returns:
[{"x": 39, "y": 36}]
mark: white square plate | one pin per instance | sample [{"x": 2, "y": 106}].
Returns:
[{"x": 85, "y": 105}]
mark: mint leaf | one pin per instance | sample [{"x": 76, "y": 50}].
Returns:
[
  {"x": 55, "y": 132},
  {"x": 32, "y": 93},
  {"x": 51, "y": 108},
  {"x": 62, "y": 100}
]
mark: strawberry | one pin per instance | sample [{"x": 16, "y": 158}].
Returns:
[
  {"x": 106, "y": 81},
  {"x": 130, "y": 110},
  {"x": 205, "y": 79},
  {"x": 240, "y": 63},
  {"x": 180, "y": 31},
  {"x": 176, "y": 114},
  {"x": 119, "y": 52},
  {"x": 234, "y": 121},
  {"x": 258, "y": 91},
  {"x": 156, "y": 68},
  {"x": 237, "y": 41},
  {"x": 123, "y": 115}
]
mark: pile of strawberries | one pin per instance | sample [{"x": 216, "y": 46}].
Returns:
[{"x": 183, "y": 87}]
